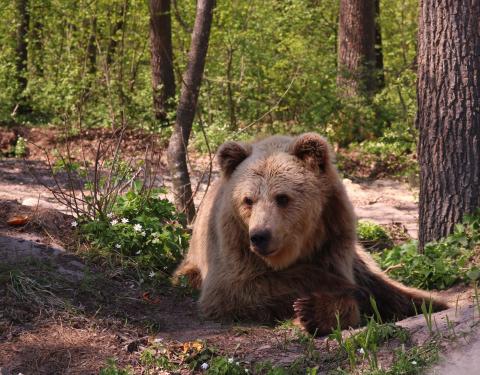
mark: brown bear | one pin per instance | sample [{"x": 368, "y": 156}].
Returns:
[{"x": 275, "y": 238}]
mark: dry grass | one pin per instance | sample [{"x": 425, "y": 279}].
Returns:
[{"x": 58, "y": 349}]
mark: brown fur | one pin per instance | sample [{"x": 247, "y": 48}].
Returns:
[{"x": 312, "y": 267}]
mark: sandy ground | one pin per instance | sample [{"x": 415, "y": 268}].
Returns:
[{"x": 382, "y": 201}]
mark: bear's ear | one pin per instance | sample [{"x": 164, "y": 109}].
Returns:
[
  {"x": 231, "y": 154},
  {"x": 312, "y": 149}
]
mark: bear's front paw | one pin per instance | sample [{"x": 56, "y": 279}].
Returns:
[
  {"x": 319, "y": 313},
  {"x": 306, "y": 316}
]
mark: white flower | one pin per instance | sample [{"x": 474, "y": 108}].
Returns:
[
  {"x": 246, "y": 370},
  {"x": 114, "y": 221},
  {"x": 124, "y": 220},
  {"x": 138, "y": 252},
  {"x": 204, "y": 366},
  {"x": 361, "y": 351},
  {"x": 74, "y": 224},
  {"x": 151, "y": 274},
  {"x": 118, "y": 246},
  {"x": 230, "y": 360},
  {"x": 110, "y": 215},
  {"x": 137, "y": 227},
  {"x": 238, "y": 363},
  {"x": 414, "y": 362},
  {"x": 143, "y": 233}
]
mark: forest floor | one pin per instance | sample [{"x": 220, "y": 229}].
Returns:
[{"x": 62, "y": 314}]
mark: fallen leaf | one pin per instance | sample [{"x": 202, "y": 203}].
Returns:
[
  {"x": 146, "y": 297},
  {"x": 18, "y": 220}
]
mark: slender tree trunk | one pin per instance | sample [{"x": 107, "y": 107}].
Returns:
[
  {"x": 163, "y": 78},
  {"x": 22, "y": 51},
  {"x": 37, "y": 46},
  {"x": 380, "y": 76},
  {"x": 91, "y": 47},
  {"x": 112, "y": 45},
  {"x": 177, "y": 148},
  {"x": 231, "y": 100},
  {"x": 356, "y": 48},
  {"x": 448, "y": 115}
]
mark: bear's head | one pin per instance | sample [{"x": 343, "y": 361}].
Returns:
[{"x": 277, "y": 190}]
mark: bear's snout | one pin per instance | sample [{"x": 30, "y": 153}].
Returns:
[{"x": 260, "y": 239}]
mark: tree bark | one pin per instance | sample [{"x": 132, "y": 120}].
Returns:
[
  {"x": 356, "y": 48},
  {"x": 380, "y": 76},
  {"x": 177, "y": 148},
  {"x": 448, "y": 117},
  {"x": 91, "y": 47},
  {"x": 163, "y": 78},
  {"x": 119, "y": 25},
  {"x": 22, "y": 50}
]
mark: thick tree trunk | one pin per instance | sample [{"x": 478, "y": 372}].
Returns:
[
  {"x": 177, "y": 148},
  {"x": 356, "y": 48},
  {"x": 22, "y": 50},
  {"x": 163, "y": 78},
  {"x": 448, "y": 115}
]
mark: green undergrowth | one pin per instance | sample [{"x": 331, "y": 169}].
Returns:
[
  {"x": 441, "y": 264},
  {"x": 373, "y": 236},
  {"x": 112, "y": 368},
  {"x": 363, "y": 349},
  {"x": 391, "y": 154},
  {"x": 141, "y": 232}
]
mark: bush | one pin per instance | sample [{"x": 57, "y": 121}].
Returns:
[
  {"x": 442, "y": 263},
  {"x": 142, "y": 231}
]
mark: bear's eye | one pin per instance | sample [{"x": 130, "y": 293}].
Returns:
[
  {"x": 282, "y": 200},
  {"x": 248, "y": 201}
]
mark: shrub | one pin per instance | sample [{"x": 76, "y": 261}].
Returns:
[
  {"x": 142, "y": 230},
  {"x": 442, "y": 263}
]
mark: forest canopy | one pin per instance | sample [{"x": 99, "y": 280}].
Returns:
[{"x": 271, "y": 67}]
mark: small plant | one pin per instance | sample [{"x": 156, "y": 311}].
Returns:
[
  {"x": 142, "y": 230},
  {"x": 20, "y": 147},
  {"x": 442, "y": 263},
  {"x": 373, "y": 236},
  {"x": 152, "y": 361},
  {"x": 364, "y": 345},
  {"x": 427, "y": 314},
  {"x": 414, "y": 360},
  {"x": 113, "y": 369},
  {"x": 224, "y": 366}
]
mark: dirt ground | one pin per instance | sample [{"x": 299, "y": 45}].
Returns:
[{"x": 63, "y": 314}]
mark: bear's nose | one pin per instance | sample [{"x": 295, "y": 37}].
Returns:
[{"x": 260, "y": 240}]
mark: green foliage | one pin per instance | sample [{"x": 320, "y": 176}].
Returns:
[
  {"x": 390, "y": 154},
  {"x": 20, "y": 147},
  {"x": 371, "y": 234},
  {"x": 412, "y": 361},
  {"x": 142, "y": 230},
  {"x": 364, "y": 345},
  {"x": 113, "y": 369},
  {"x": 442, "y": 263},
  {"x": 271, "y": 68},
  {"x": 226, "y": 366},
  {"x": 151, "y": 360}
]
